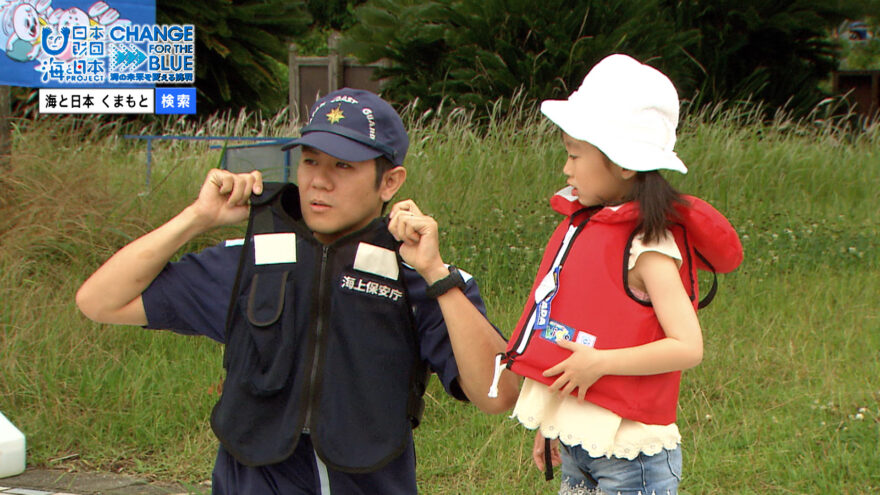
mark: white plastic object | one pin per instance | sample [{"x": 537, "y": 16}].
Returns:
[
  {"x": 499, "y": 367},
  {"x": 12, "y": 449}
]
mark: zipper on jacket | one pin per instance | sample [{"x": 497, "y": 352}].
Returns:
[
  {"x": 526, "y": 333},
  {"x": 319, "y": 330}
]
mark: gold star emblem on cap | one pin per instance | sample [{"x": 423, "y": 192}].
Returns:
[{"x": 335, "y": 115}]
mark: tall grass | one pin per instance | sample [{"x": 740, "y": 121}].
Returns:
[{"x": 786, "y": 400}]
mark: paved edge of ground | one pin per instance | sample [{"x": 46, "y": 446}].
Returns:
[{"x": 60, "y": 481}]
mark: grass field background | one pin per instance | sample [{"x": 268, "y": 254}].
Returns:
[{"x": 786, "y": 400}]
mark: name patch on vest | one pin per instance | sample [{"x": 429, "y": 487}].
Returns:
[
  {"x": 555, "y": 331},
  {"x": 272, "y": 249},
  {"x": 376, "y": 260},
  {"x": 363, "y": 285}
]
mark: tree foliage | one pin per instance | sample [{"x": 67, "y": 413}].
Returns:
[
  {"x": 328, "y": 17},
  {"x": 241, "y": 48},
  {"x": 333, "y": 14},
  {"x": 474, "y": 51},
  {"x": 471, "y": 52},
  {"x": 776, "y": 52}
]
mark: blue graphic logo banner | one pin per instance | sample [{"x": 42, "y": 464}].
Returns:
[{"x": 81, "y": 43}]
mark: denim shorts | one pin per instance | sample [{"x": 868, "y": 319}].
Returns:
[{"x": 657, "y": 474}]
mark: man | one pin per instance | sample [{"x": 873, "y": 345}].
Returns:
[{"x": 328, "y": 333}]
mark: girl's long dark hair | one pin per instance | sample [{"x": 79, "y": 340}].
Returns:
[{"x": 657, "y": 199}]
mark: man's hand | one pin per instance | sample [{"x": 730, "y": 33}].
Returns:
[
  {"x": 475, "y": 342},
  {"x": 421, "y": 240},
  {"x": 113, "y": 293},
  {"x": 223, "y": 198}
]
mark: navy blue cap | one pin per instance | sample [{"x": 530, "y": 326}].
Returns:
[{"x": 354, "y": 125}]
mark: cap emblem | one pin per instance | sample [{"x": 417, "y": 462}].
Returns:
[{"x": 335, "y": 115}]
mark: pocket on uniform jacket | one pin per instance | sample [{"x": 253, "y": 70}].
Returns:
[
  {"x": 266, "y": 299},
  {"x": 266, "y": 308}
]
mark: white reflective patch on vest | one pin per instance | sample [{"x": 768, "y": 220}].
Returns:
[
  {"x": 234, "y": 242},
  {"x": 376, "y": 260},
  {"x": 274, "y": 248}
]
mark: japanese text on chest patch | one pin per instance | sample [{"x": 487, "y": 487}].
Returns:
[{"x": 354, "y": 283}]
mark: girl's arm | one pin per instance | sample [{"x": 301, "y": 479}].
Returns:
[
  {"x": 538, "y": 451},
  {"x": 681, "y": 349}
]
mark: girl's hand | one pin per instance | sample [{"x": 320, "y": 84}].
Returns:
[
  {"x": 580, "y": 370},
  {"x": 538, "y": 451}
]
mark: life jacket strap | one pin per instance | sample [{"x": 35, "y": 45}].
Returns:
[
  {"x": 712, "y": 290},
  {"x": 548, "y": 461}
]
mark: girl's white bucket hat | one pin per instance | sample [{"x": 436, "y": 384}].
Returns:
[{"x": 626, "y": 109}]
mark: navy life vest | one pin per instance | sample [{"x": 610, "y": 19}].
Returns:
[
  {"x": 319, "y": 338},
  {"x": 582, "y": 294}
]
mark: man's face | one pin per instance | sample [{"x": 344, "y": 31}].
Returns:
[{"x": 337, "y": 197}]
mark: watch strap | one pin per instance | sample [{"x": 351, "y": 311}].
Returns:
[{"x": 445, "y": 284}]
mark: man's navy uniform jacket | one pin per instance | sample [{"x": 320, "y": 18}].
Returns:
[{"x": 331, "y": 340}]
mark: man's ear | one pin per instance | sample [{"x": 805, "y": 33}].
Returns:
[{"x": 392, "y": 180}]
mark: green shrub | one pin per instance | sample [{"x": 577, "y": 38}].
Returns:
[
  {"x": 775, "y": 52},
  {"x": 241, "y": 49},
  {"x": 332, "y": 14},
  {"x": 471, "y": 51}
]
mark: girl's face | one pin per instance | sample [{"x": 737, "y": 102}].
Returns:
[{"x": 595, "y": 179}]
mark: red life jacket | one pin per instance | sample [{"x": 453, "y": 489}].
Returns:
[{"x": 588, "y": 253}]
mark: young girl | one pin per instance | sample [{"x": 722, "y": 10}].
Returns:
[{"x": 611, "y": 320}]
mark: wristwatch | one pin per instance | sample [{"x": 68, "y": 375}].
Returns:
[{"x": 442, "y": 286}]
